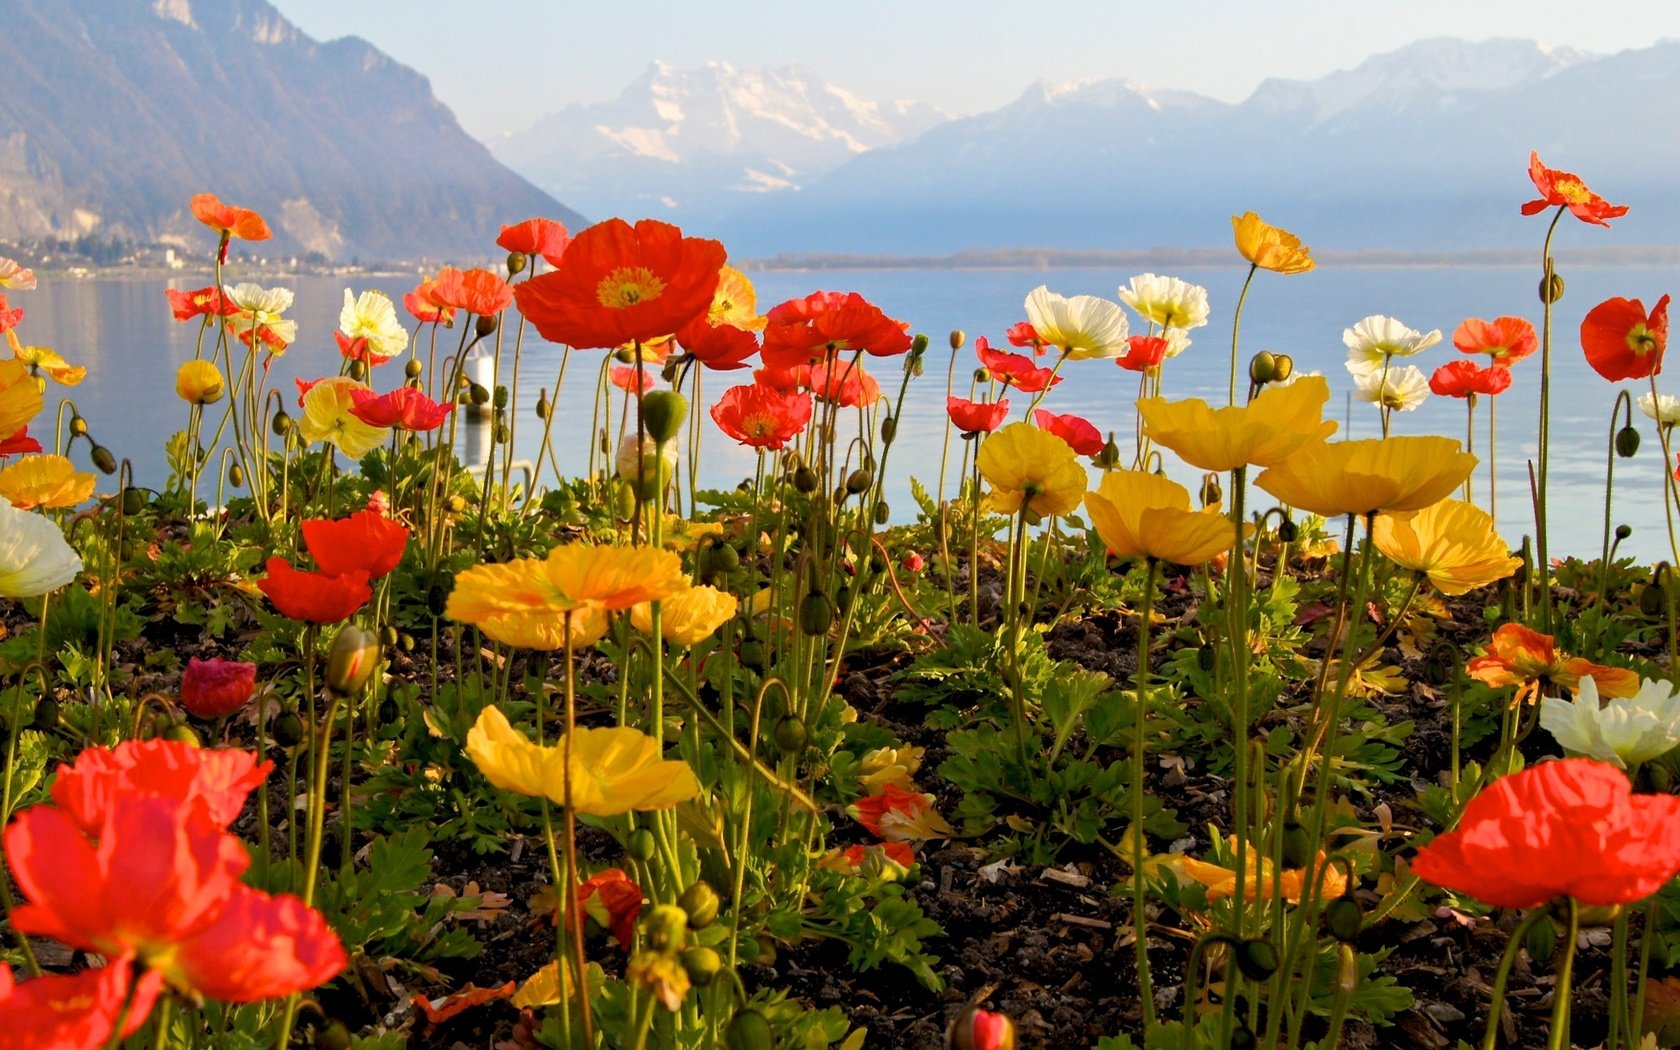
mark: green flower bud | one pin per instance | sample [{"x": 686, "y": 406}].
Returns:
[
  {"x": 889, "y": 428},
  {"x": 544, "y": 409},
  {"x": 701, "y": 903},
  {"x": 412, "y": 368},
  {"x": 663, "y": 412},
  {"x": 500, "y": 398},
  {"x": 46, "y": 715},
  {"x": 1109, "y": 457},
  {"x": 1627, "y": 442},
  {"x": 816, "y": 614},
  {"x": 919, "y": 344},
  {"x": 1343, "y": 918},
  {"x": 859, "y": 480},
  {"x": 1211, "y": 492},
  {"x": 485, "y": 326},
  {"x": 1262, "y": 368},
  {"x": 281, "y": 424},
  {"x": 703, "y": 965},
  {"x": 352, "y": 660},
  {"x": 1283, "y": 366},
  {"x": 478, "y": 395},
  {"x": 78, "y": 426},
  {"x": 1256, "y": 958},
  {"x": 516, "y": 262},
  {"x": 388, "y": 711},
  {"x": 1623, "y": 531},
  {"x": 236, "y": 475},
  {"x": 805, "y": 479},
  {"x": 181, "y": 733},
  {"x": 437, "y": 595},
  {"x": 642, "y": 845},
  {"x": 748, "y": 1030},
  {"x": 790, "y": 734},
  {"x": 883, "y": 513},
  {"x": 357, "y": 371},
  {"x": 666, "y": 928},
  {"x": 1551, "y": 288},
  {"x": 133, "y": 501},
  {"x": 288, "y": 730},
  {"x": 103, "y": 459},
  {"x": 333, "y": 1037},
  {"x": 1296, "y": 845},
  {"x": 1288, "y": 531}
]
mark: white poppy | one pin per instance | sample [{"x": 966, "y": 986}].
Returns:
[
  {"x": 1082, "y": 326},
  {"x": 1167, "y": 301},
  {"x": 1403, "y": 388},
  {"x": 1377, "y": 338},
  {"x": 34, "y": 558},
  {"x": 1626, "y": 732},
  {"x": 373, "y": 317}
]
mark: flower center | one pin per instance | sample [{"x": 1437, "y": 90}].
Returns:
[
  {"x": 758, "y": 425},
  {"x": 627, "y": 286},
  {"x": 1573, "y": 190},
  {"x": 1640, "y": 340}
]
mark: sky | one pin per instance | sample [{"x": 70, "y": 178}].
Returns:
[{"x": 502, "y": 64}]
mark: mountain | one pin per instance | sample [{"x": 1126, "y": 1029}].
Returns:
[
  {"x": 687, "y": 144},
  {"x": 1423, "y": 148},
  {"x": 117, "y": 111}
]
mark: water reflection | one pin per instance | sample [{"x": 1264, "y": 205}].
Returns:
[{"x": 122, "y": 330}]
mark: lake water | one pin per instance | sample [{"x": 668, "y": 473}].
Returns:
[{"x": 123, "y": 331}]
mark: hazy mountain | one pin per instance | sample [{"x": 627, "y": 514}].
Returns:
[
  {"x": 1424, "y": 148},
  {"x": 687, "y": 144},
  {"x": 117, "y": 111}
]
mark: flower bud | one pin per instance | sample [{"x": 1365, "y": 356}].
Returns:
[
  {"x": 982, "y": 376},
  {"x": 1108, "y": 457},
  {"x": 78, "y": 426},
  {"x": 412, "y": 368},
  {"x": 977, "y": 1029},
  {"x": 663, "y": 412},
  {"x": 437, "y": 595},
  {"x": 703, "y": 965},
  {"x": 352, "y": 660},
  {"x": 287, "y": 730},
  {"x": 46, "y": 715},
  {"x": 200, "y": 383},
  {"x": 1256, "y": 958},
  {"x": 859, "y": 480},
  {"x": 883, "y": 513},
  {"x": 919, "y": 344},
  {"x": 816, "y": 614},
  {"x": 889, "y": 428},
  {"x": 236, "y": 475},
  {"x": 1623, "y": 531},
  {"x": 666, "y": 928},
  {"x": 1343, "y": 918},
  {"x": 333, "y": 1037},
  {"x": 642, "y": 845},
  {"x": 544, "y": 409},
  {"x": 477, "y": 394},
  {"x": 485, "y": 326},
  {"x": 790, "y": 734},
  {"x": 281, "y": 424},
  {"x": 499, "y": 398},
  {"x": 357, "y": 371},
  {"x": 103, "y": 459},
  {"x": 1283, "y": 366},
  {"x": 1627, "y": 442},
  {"x": 805, "y": 479},
  {"x": 1288, "y": 531},
  {"x": 748, "y": 1030},
  {"x": 1296, "y": 845},
  {"x": 1262, "y": 368},
  {"x": 1551, "y": 288},
  {"x": 1242, "y": 1037},
  {"x": 958, "y": 338},
  {"x": 516, "y": 262},
  {"x": 133, "y": 501},
  {"x": 181, "y": 733},
  {"x": 645, "y": 465},
  {"x": 1211, "y": 492},
  {"x": 700, "y": 901}
]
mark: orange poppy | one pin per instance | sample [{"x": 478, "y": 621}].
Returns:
[
  {"x": 762, "y": 416},
  {"x": 229, "y": 221},
  {"x": 1565, "y": 189},
  {"x": 625, "y": 377},
  {"x": 845, "y": 384},
  {"x": 475, "y": 291},
  {"x": 621, "y": 284},
  {"x": 1622, "y": 341},
  {"x": 1464, "y": 378},
  {"x": 422, "y": 303},
  {"x": 1505, "y": 339},
  {"x": 198, "y": 302},
  {"x": 9, "y": 318},
  {"x": 544, "y": 237},
  {"x": 1529, "y": 660}
]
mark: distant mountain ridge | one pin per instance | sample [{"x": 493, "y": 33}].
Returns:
[
  {"x": 1420, "y": 149},
  {"x": 118, "y": 111},
  {"x": 687, "y": 144}
]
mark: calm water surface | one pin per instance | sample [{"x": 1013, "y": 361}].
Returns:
[{"x": 122, "y": 330}]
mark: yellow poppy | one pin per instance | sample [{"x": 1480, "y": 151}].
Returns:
[
  {"x": 1277, "y": 422},
  {"x": 613, "y": 770},
  {"x": 889, "y": 765},
  {"x": 20, "y": 397},
  {"x": 517, "y": 604},
  {"x": 1221, "y": 881},
  {"x": 687, "y": 617},
  {"x": 1363, "y": 477},
  {"x": 46, "y": 361},
  {"x": 1453, "y": 542},
  {"x": 1269, "y": 247},
  {"x": 660, "y": 973},
  {"x": 44, "y": 481},
  {"x": 327, "y": 417},
  {"x": 735, "y": 302},
  {"x": 199, "y": 383},
  {"x": 614, "y": 578},
  {"x": 1026, "y": 465},
  {"x": 1143, "y": 515},
  {"x": 552, "y": 983}
]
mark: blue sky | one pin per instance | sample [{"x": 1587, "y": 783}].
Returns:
[{"x": 502, "y": 64}]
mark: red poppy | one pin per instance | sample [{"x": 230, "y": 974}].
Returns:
[
  {"x": 544, "y": 237},
  {"x": 1081, "y": 436},
  {"x": 475, "y": 291},
  {"x": 365, "y": 543},
  {"x": 198, "y": 302},
  {"x": 1143, "y": 353},
  {"x": 313, "y": 596},
  {"x": 1016, "y": 370},
  {"x": 827, "y": 324},
  {"x": 899, "y": 815},
  {"x": 785, "y": 380},
  {"x": 229, "y": 221},
  {"x": 216, "y": 779},
  {"x": 620, "y": 284},
  {"x": 439, "y": 1010},
  {"x": 356, "y": 349},
  {"x": 74, "y": 1011},
  {"x": 624, "y": 377},
  {"x": 423, "y": 305},
  {"x": 845, "y": 384},
  {"x": 19, "y": 443},
  {"x": 1505, "y": 339},
  {"x": 1566, "y": 190},
  {"x": 977, "y": 417},
  {"x": 913, "y": 563},
  {"x": 1622, "y": 342},
  {"x": 265, "y": 334},
  {"x": 762, "y": 416},
  {"x": 1022, "y": 333},
  {"x": 9, "y": 318},
  {"x": 258, "y": 946},
  {"x": 1463, "y": 378},
  {"x": 154, "y": 872},
  {"x": 898, "y": 853},
  {"x": 1572, "y": 827},
  {"x": 718, "y": 346},
  {"x": 614, "y": 901},
  {"x": 405, "y": 408},
  {"x": 214, "y": 688}
]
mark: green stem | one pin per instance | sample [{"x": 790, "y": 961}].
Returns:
[
  {"x": 1559, "y": 1039},
  {"x": 1544, "y": 457},
  {"x": 1140, "y": 922},
  {"x": 1236, "y": 327},
  {"x": 1496, "y": 1001}
]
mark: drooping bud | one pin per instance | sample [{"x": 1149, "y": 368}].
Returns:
[
  {"x": 352, "y": 660},
  {"x": 78, "y": 426},
  {"x": 1627, "y": 442},
  {"x": 1211, "y": 492},
  {"x": 1257, "y": 959},
  {"x": 103, "y": 459},
  {"x": 702, "y": 964},
  {"x": 133, "y": 501},
  {"x": 412, "y": 368},
  {"x": 288, "y": 730},
  {"x": 748, "y": 1030},
  {"x": 485, "y": 326},
  {"x": 859, "y": 480},
  {"x": 883, "y": 513},
  {"x": 1343, "y": 918},
  {"x": 666, "y": 928},
  {"x": 1551, "y": 288},
  {"x": 516, "y": 262},
  {"x": 1283, "y": 366},
  {"x": 889, "y": 428},
  {"x": 544, "y": 409},
  {"x": 1623, "y": 531},
  {"x": 1108, "y": 457},
  {"x": 663, "y": 412},
  {"x": 816, "y": 614},
  {"x": 805, "y": 479},
  {"x": 701, "y": 903},
  {"x": 281, "y": 424},
  {"x": 477, "y": 394},
  {"x": 236, "y": 475},
  {"x": 1287, "y": 531},
  {"x": 357, "y": 371},
  {"x": 1262, "y": 368},
  {"x": 642, "y": 845}
]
